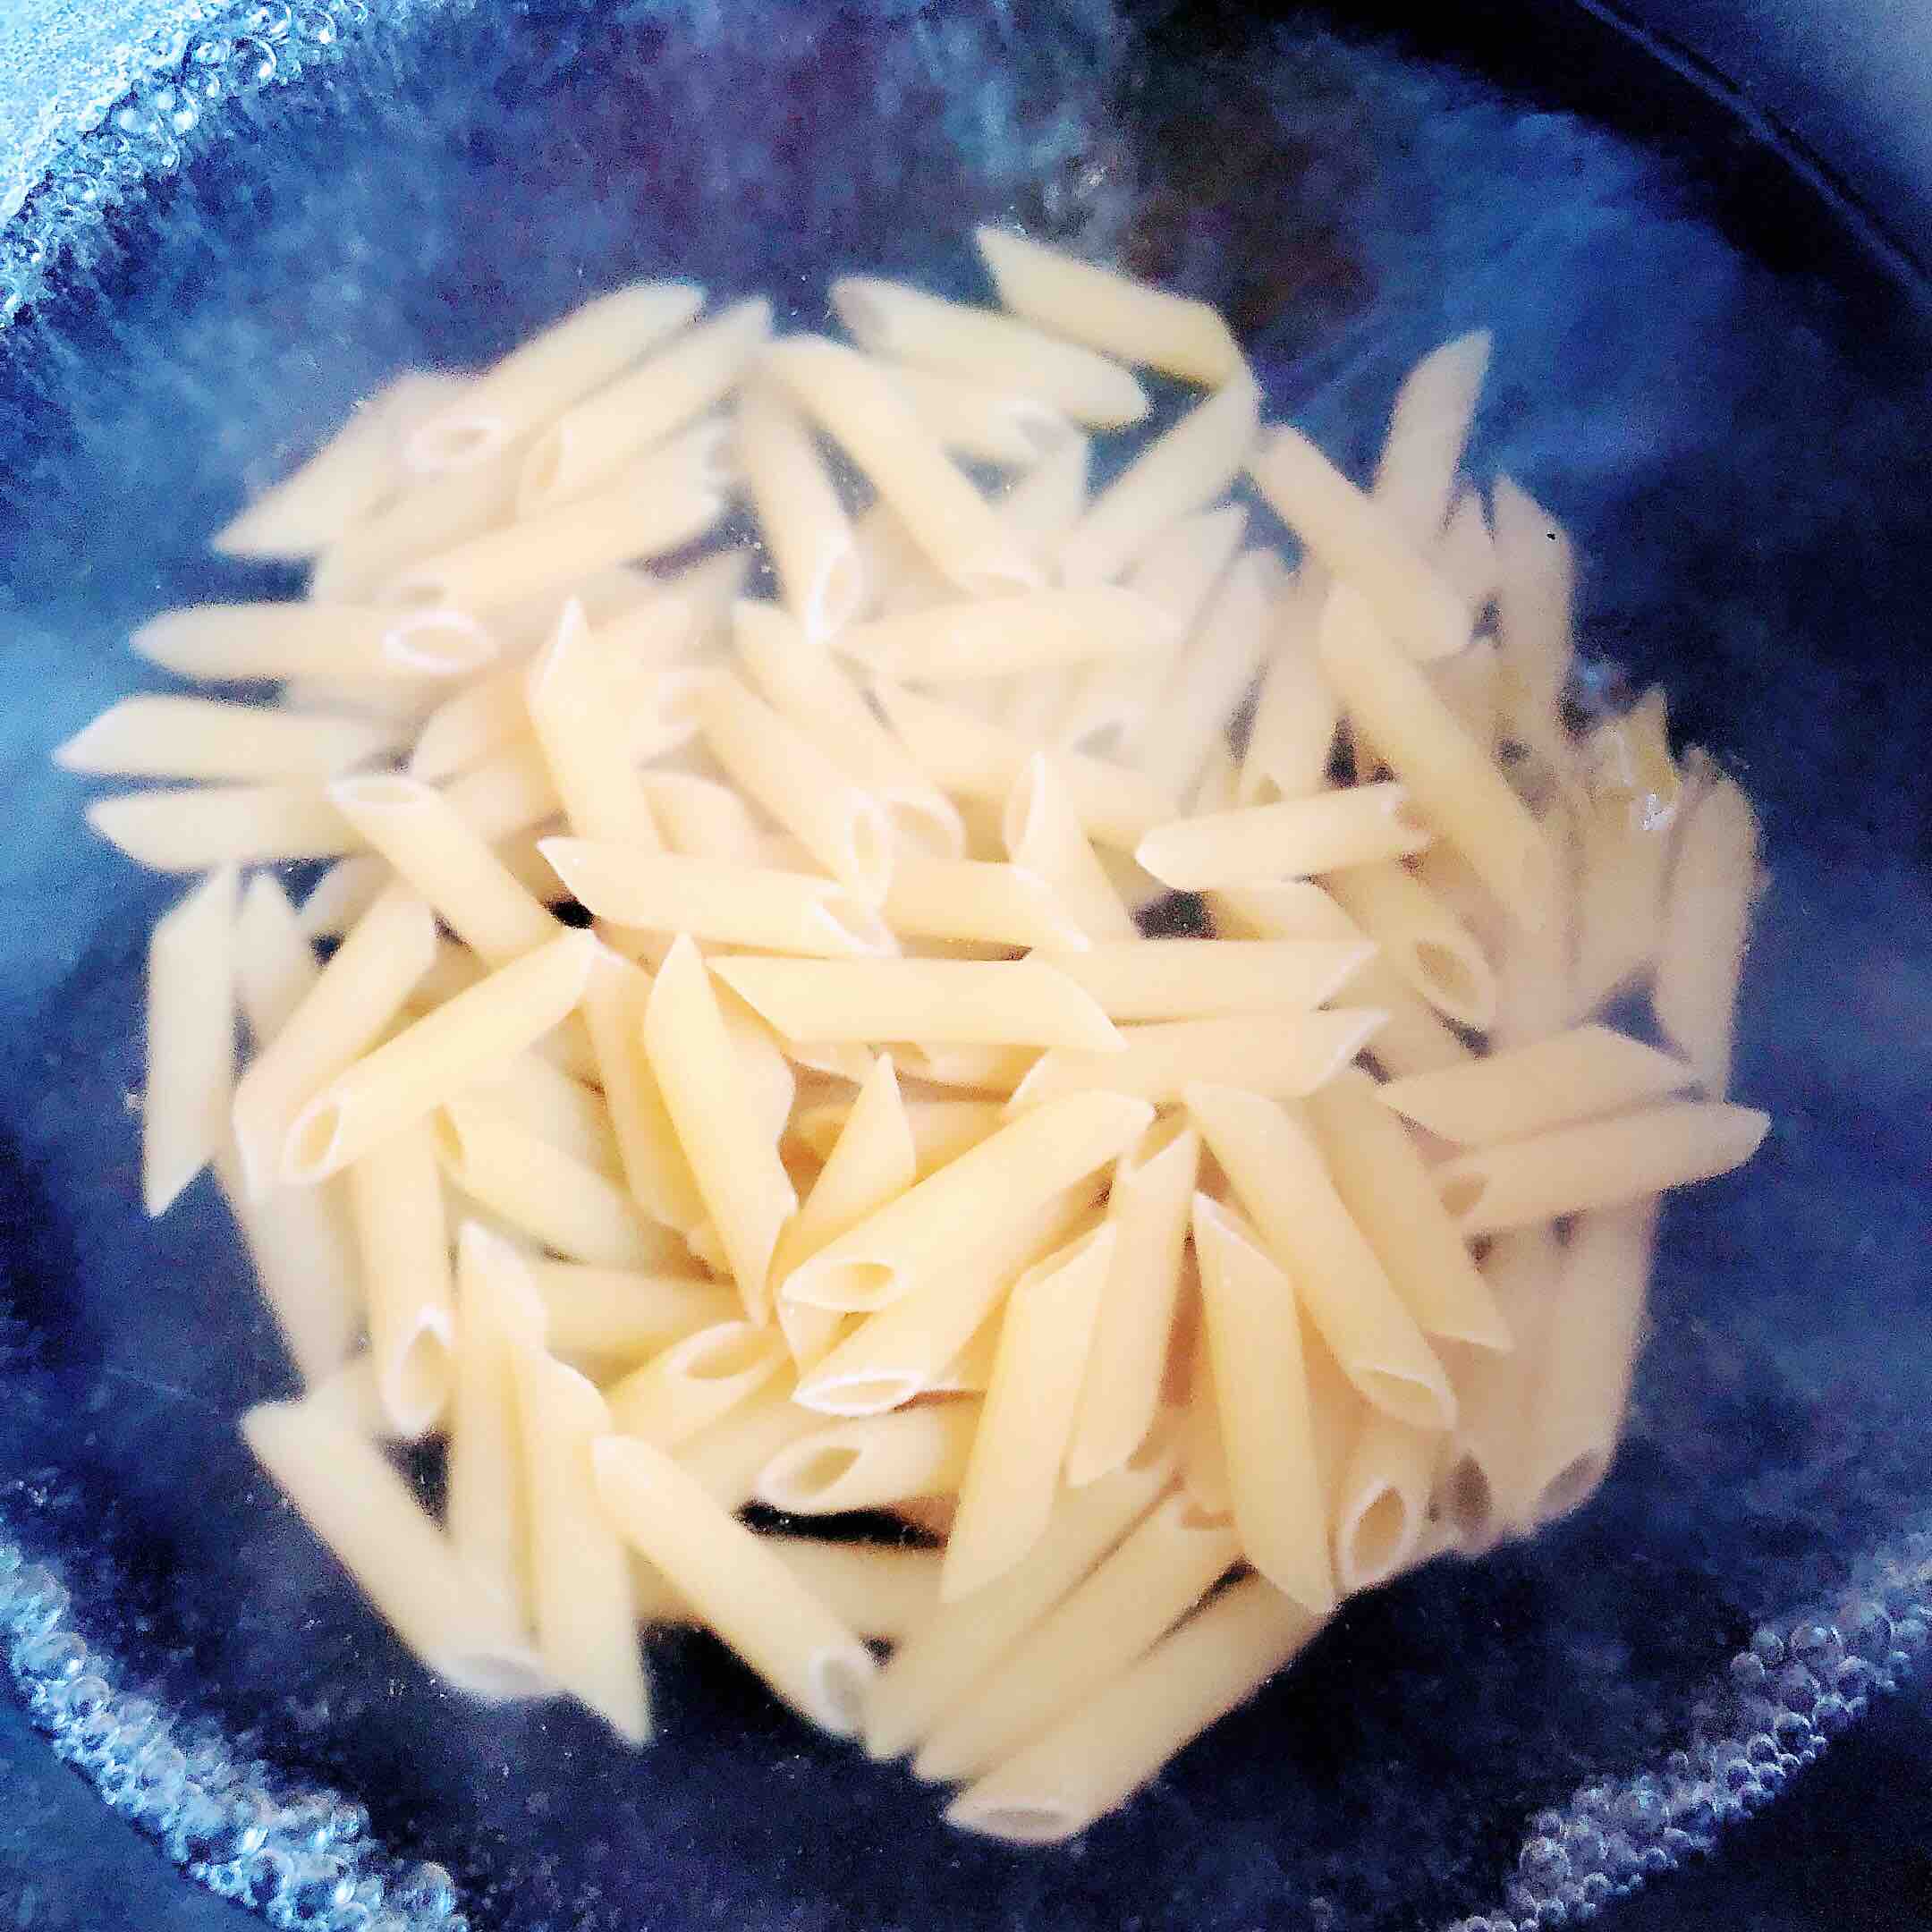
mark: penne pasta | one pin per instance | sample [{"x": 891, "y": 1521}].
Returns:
[
  {"x": 1006, "y": 636},
  {"x": 1255, "y": 844},
  {"x": 1041, "y": 829},
  {"x": 703, "y": 819},
  {"x": 724, "y": 1458},
  {"x": 1292, "y": 737},
  {"x": 696, "y": 1380},
  {"x": 214, "y": 825},
  {"x": 881, "y": 1591},
  {"x": 1536, "y": 588},
  {"x": 1207, "y": 979},
  {"x": 872, "y": 1461},
  {"x": 979, "y": 422},
  {"x": 821, "y": 572},
  {"x": 274, "y": 967},
  {"x": 170, "y": 737},
  {"x": 1044, "y": 504},
  {"x": 1621, "y": 860},
  {"x": 225, "y": 643},
  {"x": 595, "y": 1316},
  {"x": 978, "y": 901},
  {"x": 191, "y": 1040},
  {"x": 346, "y": 890},
  {"x": 395, "y": 1202},
  {"x": 1421, "y": 938},
  {"x": 1415, "y": 479},
  {"x": 1382, "y": 1509}
]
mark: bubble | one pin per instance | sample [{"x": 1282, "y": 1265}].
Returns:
[
  {"x": 195, "y": 1833},
  {"x": 1747, "y": 1671},
  {"x": 269, "y": 1873},
  {"x": 1543, "y": 1861},
  {"x": 1817, "y": 1646},
  {"x": 351, "y": 1917},
  {"x": 1768, "y": 1647},
  {"x": 51, "y": 1656},
  {"x": 1792, "y": 1730},
  {"x": 1761, "y": 1749},
  {"x": 315, "y": 26},
  {"x": 228, "y": 1880},
  {"x": 1831, "y": 1714},
  {"x": 424, "y": 1891},
  {"x": 34, "y": 1601},
  {"x": 1596, "y": 1890},
  {"x": 270, "y": 23}
]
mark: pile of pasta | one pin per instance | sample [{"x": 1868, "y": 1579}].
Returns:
[{"x": 725, "y": 1062}]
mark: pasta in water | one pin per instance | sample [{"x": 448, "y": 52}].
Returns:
[{"x": 863, "y": 1148}]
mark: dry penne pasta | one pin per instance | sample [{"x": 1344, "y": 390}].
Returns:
[
  {"x": 275, "y": 966},
  {"x": 693, "y": 1382},
  {"x": 221, "y": 643},
  {"x": 207, "y": 738},
  {"x": 214, "y": 825},
  {"x": 1000, "y": 637},
  {"x": 981, "y": 423},
  {"x": 346, "y": 890},
  {"x": 191, "y": 1040},
  {"x": 1383, "y": 1504},
  {"x": 872, "y": 1461},
  {"x": 821, "y": 572},
  {"x": 1202, "y": 978},
  {"x": 598, "y": 1316},
  {"x": 1294, "y": 838},
  {"x": 1536, "y": 585},
  {"x": 1416, "y": 476},
  {"x": 1420, "y": 938}
]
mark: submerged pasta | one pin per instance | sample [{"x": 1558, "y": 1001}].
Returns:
[{"x": 867, "y": 1151}]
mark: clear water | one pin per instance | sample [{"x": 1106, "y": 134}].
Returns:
[{"x": 1740, "y": 456}]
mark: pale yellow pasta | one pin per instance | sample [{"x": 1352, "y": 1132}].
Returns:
[
  {"x": 1042, "y": 505},
  {"x": 1107, "y": 310},
  {"x": 1253, "y": 1334},
  {"x": 737, "y": 1586},
  {"x": 860, "y": 406},
  {"x": 941, "y": 1130},
  {"x": 1416, "y": 476},
  {"x": 1536, "y": 588},
  {"x": 904, "y": 1349},
  {"x": 1382, "y": 1505},
  {"x": 1219, "y": 789},
  {"x": 769, "y": 1084},
  {"x": 1535, "y": 967},
  {"x": 1455, "y": 786},
  {"x": 871, "y": 1160},
  {"x": 724, "y": 1458},
  {"x": 230, "y": 642},
  {"x": 487, "y": 1511},
  {"x": 986, "y": 1070},
  {"x": 1204, "y": 1461},
  {"x": 1148, "y": 1206},
  {"x": 1100, "y": 1753},
  {"x": 1202, "y": 978},
  {"x": 1336, "y": 1412},
  {"x": 1286, "y": 1054},
  {"x": 509, "y": 793},
  {"x": 871, "y": 1461},
  {"x": 396, "y": 1200},
  {"x": 581, "y": 1601},
  {"x": 906, "y": 325},
  {"x": 1391, "y": 1195},
  {"x": 1707, "y": 917},
  {"x": 1420, "y": 938},
  {"x": 1470, "y": 684},
  {"x": 1274, "y": 1165},
  {"x": 549, "y": 372},
  {"x": 978, "y": 901},
  {"x": 211, "y": 826},
  {"x": 1465, "y": 553},
  {"x": 1572, "y": 1076},
  {"x": 1136, "y": 1595},
  {"x": 740, "y": 1178},
  {"x": 275, "y": 966},
  {"x": 1598, "y": 1164},
  {"x": 601, "y": 1318},
  {"x": 1293, "y": 734},
  {"x": 941, "y": 1662},
  {"x": 899, "y": 574},
  {"x": 881, "y": 1591},
  {"x": 1620, "y": 866},
  {"x": 703, "y": 819},
  {"x": 363, "y": 1511},
  {"x": 1003, "y": 635},
  {"x": 346, "y": 890},
  {"x": 592, "y": 442},
  {"x": 438, "y": 1057},
  {"x": 656, "y": 504},
  {"x": 1026, "y": 1420},
  {"x": 719, "y": 901},
  {"x": 997, "y": 1002},
  {"x": 156, "y": 736},
  {"x": 349, "y": 475},
  {"x": 1362, "y": 546},
  {"x": 695, "y": 1380},
  {"x": 979, "y": 422},
  {"x": 1255, "y": 844},
  {"x": 1185, "y": 468},
  {"x": 1041, "y": 828},
  {"x": 821, "y": 573},
  {"x": 1592, "y": 1333},
  {"x": 541, "y": 1098},
  {"x": 941, "y": 1220},
  {"x": 191, "y": 1040}
]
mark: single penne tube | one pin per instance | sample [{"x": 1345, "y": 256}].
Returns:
[
  {"x": 1336, "y": 1413},
  {"x": 980, "y": 902},
  {"x": 597, "y": 1317},
  {"x": 1203, "y": 1448},
  {"x": 871, "y": 1160},
  {"x": 544, "y": 1100},
  {"x": 1158, "y": 1574},
  {"x": 978, "y": 1070},
  {"x": 1041, "y": 829},
  {"x": 965, "y": 1640},
  {"x": 1383, "y": 1508},
  {"x": 580, "y": 726},
  {"x": 354, "y": 1001},
  {"x": 724, "y": 1458},
  {"x": 1621, "y": 860},
  {"x": 1597, "y": 1163},
  {"x": 1468, "y": 683},
  {"x": 882, "y": 1591},
  {"x": 972, "y": 758},
  {"x": 776, "y": 765},
  {"x": 1415, "y": 478},
  {"x": 349, "y": 476},
  {"x": 590, "y": 444},
  {"x": 872, "y": 1461},
  {"x": 734, "y": 1583},
  {"x": 211, "y": 826},
  {"x": 191, "y": 1040},
  {"x": 1140, "y": 979},
  {"x": 941, "y": 1218},
  {"x": 1362, "y": 546},
  {"x": 486, "y": 1505},
  {"x": 274, "y": 967},
  {"x": 346, "y": 1490},
  {"x": 1391, "y": 1195},
  {"x": 903, "y": 323},
  {"x": 979, "y": 422},
  {"x": 553, "y": 370},
  {"x": 1026, "y": 1420},
  {"x": 434, "y": 851},
  {"x": 1147, "y": 1206},
  {"x": 1274, "y": 1165},
  {"x": 1183, "y": 470},
  {"x": 717, "y": 902},
  {"x": 1105, "y": 1750},
  {"x": 941, "y": 1130},
  {"x": 799, "y": 677},
  {"x": 694, "y": 1381},
  {"x": 899, "y": 574},
  {"x": 997, "y": 1002},
  {"x": 1219, "y": 789},
  {"x": 486, "y": 714},
  {"x": 509, "y": 793},
  {"x": 345, "y": 891},
  {"x": 160, "y": 736},
  {"x": 1420, "y": 938},
  {"x": 858, "y": 404},
  {"x": 1291, "y": 738},
  {"x": 237, "y": 642},
  {"x": 905, "y": 1349},
  {"x": 1591, "y": 1334},
  {"x": 740, "y": 1178},
  {"x": 582, "y": 1605},
  {"x": 1573, "y": 1076},
  {"x": 820, "y": 570},
  {"x": 659, "y": 503},
  {"x": 1253, "y": 1334},
  {"x": 1455, "y": 786},
  {"x": 436, "y": 1058},
  {"x": 1254, "y": 844},
  {"x": 1285, "y": 1054},
  {"x": 1535, "y": 590},
  {"x": 701, "y": 818},
  {"x": 1465, "y": 553},
  {"x": 1044, "y": 504},
  {"x": 1713, "y": 878},
  {"x": 395, "y": 1201},
  {"x": 1036, "y": 632},
  {"x": 1109, "y": 311},
  {"x": 524, "y": 1179}
]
